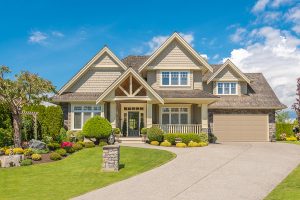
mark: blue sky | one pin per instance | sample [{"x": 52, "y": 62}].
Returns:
[{"x": 56, "y": 38}]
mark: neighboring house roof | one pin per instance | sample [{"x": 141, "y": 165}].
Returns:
[
  {"x": 230, "y": 64},
  {"x": 89, "y": 64},
  {"x": 260, "y": 96},
  {"x": 185, "y": 94},
  {"x": 122, "y": 77},
  {"x": 177, "y": 37},
  {"x": 77, "y": 96}
]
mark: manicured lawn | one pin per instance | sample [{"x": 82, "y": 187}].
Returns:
[
  {"x": 75, "y": 175},
  {"x": 289, "y": 188}
]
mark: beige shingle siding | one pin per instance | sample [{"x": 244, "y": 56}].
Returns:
[
  {"x": 197, "y": 79},
  {"x": 227, "y": 74},
  {"x": 176, "y": 57}
]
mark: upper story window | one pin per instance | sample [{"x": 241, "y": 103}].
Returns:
[
  {"x": 227, "y": 88},
  {"x": 174, "y": 78}
]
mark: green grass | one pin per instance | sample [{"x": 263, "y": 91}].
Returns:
[
  {"x": 75, "y": 175},
  {"x": 289, "y": 188}
]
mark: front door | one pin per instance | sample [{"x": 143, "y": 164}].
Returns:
[{"x": 133, "y": 124}]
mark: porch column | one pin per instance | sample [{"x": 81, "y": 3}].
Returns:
[
  {"x": 204, "y": 116},
  {"x": 149, "y": 115},
  {"x": 113, "y": 108},
  {"x": 102, "y": 110}
]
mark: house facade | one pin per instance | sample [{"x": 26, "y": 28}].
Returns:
[{"x": 175, "y": 89}]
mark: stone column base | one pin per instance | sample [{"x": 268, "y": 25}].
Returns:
[{"x": 111, "y": 158}]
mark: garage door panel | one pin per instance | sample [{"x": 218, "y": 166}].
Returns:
[{"x": 239, "y": 127}]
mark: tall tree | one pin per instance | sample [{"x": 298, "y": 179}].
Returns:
[
  {"x": 282, "y": 117},
  {"x": 25, "y": 89},
  {"x": 296, "y": 105}
]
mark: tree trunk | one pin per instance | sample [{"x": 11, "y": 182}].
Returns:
[{"x": 17, "y": 129}]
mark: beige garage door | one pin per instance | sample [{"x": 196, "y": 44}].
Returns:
[{"x": 239, "y": 127}]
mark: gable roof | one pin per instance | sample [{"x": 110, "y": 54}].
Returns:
[
  {"x": 232, "y": 66},
  {"x": 122, "y": 77},
  {"x": 135, "y": 61},
  {"x": 104, "y": 50},
  {"x": 177, "y": 37}
]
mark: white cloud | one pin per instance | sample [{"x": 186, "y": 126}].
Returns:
[
  {"x": 157, "y": 41},
  {"x": 296, "y": 28},
  {"x": 216, "y": 56},
  {"x": 260, "y": 5},
  {"x": 57, "y": 34},
  {"x": 277, "y": 3},
  {"x": 238, "y": 35},
  {"x": 37, "y": 37},
  {"x": 293, "y": 14},
  {"x": 205, "y": 56},
  {"x": 277, "y": 56}
]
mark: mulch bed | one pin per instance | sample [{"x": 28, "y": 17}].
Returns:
[{"x": 45, "y": 159}]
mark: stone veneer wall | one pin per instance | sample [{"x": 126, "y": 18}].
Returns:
[
  {"x": 111, "y": 158},
  {"x": 271, "y": 113}
]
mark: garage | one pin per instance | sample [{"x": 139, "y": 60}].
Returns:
[{"x": 241, "y": 127}]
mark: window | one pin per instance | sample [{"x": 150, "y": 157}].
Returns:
[
  {"x": 226, "y": 88},
  {"x": 174, "y": 115},
  {"x": 174, "y": 78},
  {"x": 83, "y": 113}
]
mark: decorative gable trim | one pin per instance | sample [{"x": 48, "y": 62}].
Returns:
[
  {"x": 123, "y": 77},
  {"x": 177, "y": 37},
  {"x": 232, "y": 66},
  {"x": 104, "y": 50}
]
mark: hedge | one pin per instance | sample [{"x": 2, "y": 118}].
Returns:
[
  {"x": 284, "y": 128},
  {"x": 186, "y": 137}
]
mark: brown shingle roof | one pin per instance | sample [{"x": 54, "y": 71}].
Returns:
[
  {"x": 134, "y": 61},
  {"x": 185, "y": 94},
  {"x": 260, "y": 95},
  {"x": 77, "y": 96}
]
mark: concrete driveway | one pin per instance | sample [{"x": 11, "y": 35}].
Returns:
[{"x": 221, "y": 171}]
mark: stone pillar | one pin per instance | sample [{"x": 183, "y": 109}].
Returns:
[
  {"x": 204, "y": 117},
  {"x": 149, "y": 115},
  {"x": 111, "y": 158},
  {"x": 113, "y": 115}
]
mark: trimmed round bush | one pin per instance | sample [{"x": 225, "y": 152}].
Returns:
[
  {"x": 36, "y": 157},
  {"x": 77, "y": 147},
  {"x": 155, "y": 134},
  {"x": 203, "y": 144},
  {"x": 116, "y": 131},
  {"x": 97, "y": 127},
  {"x": 181, "y": 145},
  {"x": 89, "y": 144},
  {"x": 165, "y": 143},
  {"x": 55, "y": 156},
  {"x": 26, "y": 162},
  {"x": 193, "y": 144},
  {"x": 70, "y": 150},
  {"x": 81, "y": 143},
  {"x": 7, "y": 151},
  {"x": 61, "y": 152},
  {"x": 102, "y": 143},
  {"x": 53, "y": 146},
  {"x": 144, "y": 131},
  {"x": 18, "y": 151},
  {"x": 155, "y": 143}
]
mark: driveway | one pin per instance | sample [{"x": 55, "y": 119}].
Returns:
[{"x": 220, "y": 171}]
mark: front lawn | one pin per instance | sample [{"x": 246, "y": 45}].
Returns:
[
  {"x": 289, "y": 188},
  {"x": 75, "y": 175}
]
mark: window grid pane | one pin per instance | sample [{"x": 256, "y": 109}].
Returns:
[
  {"x": 174, "y": 78},
  {"x": 233, "y": 88},
  {"x": 165, "y": 78},
  {"x": 183, "y": 78},
  {"x": 77, "y": 120}
]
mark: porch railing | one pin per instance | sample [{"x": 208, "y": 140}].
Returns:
[{"x": 180, "y": 128}]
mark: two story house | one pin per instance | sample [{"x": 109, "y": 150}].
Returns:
[{"x": 175, "y": 89}]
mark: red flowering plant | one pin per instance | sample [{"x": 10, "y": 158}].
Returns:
[{"x": 66, "y": 145}]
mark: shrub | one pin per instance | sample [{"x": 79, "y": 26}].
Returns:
[
  {"x": 62, "y": 136},
  {"x": 203, "y": 137},
  {"x": 28, "y": 152},
  {"x": 53, "y": 146},
  {"x": 185, "y": 137},
  {"x": 81, "y": 143},
  {"x": 70, "y": 150},
  {"x": 144, "y": 131},
  {"x": 61, "y": 152},
  {"x": 116, "y": 131},
  {"x": 155, "y": 134},
  {"x": 7, "y": 151},
  {"x": 181, "y": 145},
  {"x": 67, "y": 146},
  {"x": 298, "y": 136},
  {"x": 282, "y": 136},
  {"x": 53, "y": 120},
  {"x": 26, "y": 162},
  {"x": 165, "y": 143},
  {"x": 36, "y": 157},
  {"x": 284, "y": 128},
  {"x": 203, "y": 144},
  {"x": 55, "y": 156},
  {"x": 18, "y": 151},
  {"x": 77, "y": 147},
  {"x": 97, "y": 127},
  {"x": 73, "y": 136},
  {"x": 6, "y": 136},
  {"x": 212, "y": 138},
  {"x": 89, "y": 144},
  {"x": 102, "y": 143},
  {"x": 193, "y": 144},
  {"x": 155, "y": 143},
  {"x": 291, "y": 138}
]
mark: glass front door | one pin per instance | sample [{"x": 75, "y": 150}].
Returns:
[{"x": 133, "y": 124}]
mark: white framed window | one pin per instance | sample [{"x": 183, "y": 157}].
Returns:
[
  {"x": 81, "y": 113},
  {"x": 175, "y": 78},
  {"x": 226, "y": 88},
  {"x": 174, "y": 115}
]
